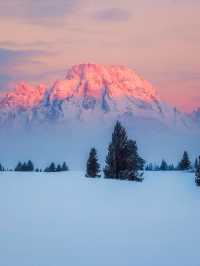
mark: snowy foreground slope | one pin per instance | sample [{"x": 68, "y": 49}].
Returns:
[{"x": 65, "y": 219}]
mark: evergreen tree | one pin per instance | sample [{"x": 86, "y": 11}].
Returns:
[
  {"x": 115, "y": 160},
  {"x": 65, "y": 167},
  {"x": 18, "y": 167},
  {"x": 93, "y": 167},
  {"x": 24, "y": 167},
  {"x": 133, "y": 162},
  {"x": 52, "y": 167},
  {"x": 197, "y": 173},
  {"x": 46, "y": 169},
  {"x": 29, "y": 166},
  {"x": 122, "y": 161},
  {"x": 171, "y": 167},
  {"x": 185, "y": 163},
  {"x": 58, "y": 168},
  {"x": 196, "y": 165},
  {"x": 149, "y": 167},
  {"x": 164, "y": 166}
]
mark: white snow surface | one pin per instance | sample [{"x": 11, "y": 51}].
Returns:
[{"x": 66, "y": 219}]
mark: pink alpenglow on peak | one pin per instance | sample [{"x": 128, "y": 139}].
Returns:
[
  {"x": 84, "y": 80},
  {"x": 23, "y": 96},
  {"x": 93, "y": 80}
]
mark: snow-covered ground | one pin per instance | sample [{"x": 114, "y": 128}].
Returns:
[{"x": 65, "y": 219}]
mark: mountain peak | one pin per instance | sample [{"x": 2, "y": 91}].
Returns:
[
  {"x": 89, "y": 91},
  {"x": 92, "y": 80},
  {"x": 23, "y": 96}
]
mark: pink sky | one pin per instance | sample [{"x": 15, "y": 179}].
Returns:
[{"x": 160, "y": 39}]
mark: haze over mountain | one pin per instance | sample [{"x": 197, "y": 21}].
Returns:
[{"x": 80, "y": 110}]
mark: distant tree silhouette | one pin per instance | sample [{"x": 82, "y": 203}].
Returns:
[
  {"x": 29, "y": 166},
  {"x": 18, "y": 167},
  {"x": 171, "y": 167},
  {"x": 25, "y": 167},
  {"x": 65, "y": 167},
  {"x": 197, "y": 172},
  {"x": 164, "y": 166},
  {"x": 196, "y": 164},
  {"x": 185, "y": 163},
  {"x": 93, "y": 167},
  {"x": 1, "y": 168},
  {"x": 53, "y": 168},
  {"x": 58, "y": 168},
  {"x": 149, "y": 167}
]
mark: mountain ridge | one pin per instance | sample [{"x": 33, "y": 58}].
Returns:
[{"x": 99, "y": 91}]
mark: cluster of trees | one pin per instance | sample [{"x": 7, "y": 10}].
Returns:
[
  {"x": 184, "y": 164},
  {"x": 25, "y": 167},
  {"x": 122, "y": 162},
  {"x": 29, "y": 167},
  {"x": 164, "y": 166},
  {"x": 2, "y": 169},
  {"x": 59, "y": 168}
]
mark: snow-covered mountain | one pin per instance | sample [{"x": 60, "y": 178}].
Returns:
[
  {"x": 90, "y": 92},
  {"x": 80, "y": 110}
]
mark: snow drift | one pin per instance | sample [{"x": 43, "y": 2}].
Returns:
[{"x": 67, "y": 219}]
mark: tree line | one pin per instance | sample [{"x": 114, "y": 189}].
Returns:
[
  {"x": 184, "y": 164},
  {"x": 29, "y": 167},
  {"x": 122, "y": 162}
]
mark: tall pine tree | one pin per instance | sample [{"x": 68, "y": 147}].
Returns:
[
  {"x": 115, "y": 160},
  {"x": 133, "y": 162},
  {"x": 122, "y": 161},
  {"x": 93, "y": 167}
]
